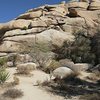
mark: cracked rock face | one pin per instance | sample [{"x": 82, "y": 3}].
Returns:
[{"x": 50, "y": 24}]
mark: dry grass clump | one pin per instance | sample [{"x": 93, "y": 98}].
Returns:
[
  {"x": 13, "y": 93},
  {"x": 93, "y": 96},
  {"x": 16, "y": 80},
  {"x": 23, "y": 70},
  {"x": 52, "y": 66}
]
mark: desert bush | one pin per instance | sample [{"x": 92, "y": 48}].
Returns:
[
  {"x": 96, "y": 46},
  {"x": 16, "y": 80},
  {"x": 78, "y": 51},
  {"x": 4, "y": 75},
  {"x": 93, "y": 96},
  {"x": 13, "y": 93}
]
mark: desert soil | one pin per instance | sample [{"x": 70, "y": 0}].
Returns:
[{"x": 32, "y": 92}]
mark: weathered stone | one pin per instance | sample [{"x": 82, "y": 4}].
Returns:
[
  {"x": 81, "y": 67},
  {"x": 49, "y": 20},
  {"x": 15, "y": 24},
  {"x": 3, "y": 54},
  {"x": 61, "y": 10},
  {"x": 54, "y": 37},
  {"x": 51, "y": 36},
  {"x": 10, "y": 64},
  {"x": 31, "y": 15},
  {"x": 17, "y": 32},
  {"x": 22, "y": 58},
  {"x": 38, "y": 23},
  {"x": 80, "y": 5},
  {"x": 94, "y": 6},
  {"x": 9, "y": 46},
  {"x": 62, "y": 72},
  {"x": 73, "y": 25}
]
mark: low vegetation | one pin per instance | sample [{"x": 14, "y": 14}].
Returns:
[
  {"x": 40, "y": 52},
  {"x": 3, "y": 62},
  {"x": 23, "y": 70},
  {"x": 52, "y": 66},
  {"x": 13, "y": 93}
]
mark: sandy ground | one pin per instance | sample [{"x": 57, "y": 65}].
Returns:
[{"x": 32, "y": 92}]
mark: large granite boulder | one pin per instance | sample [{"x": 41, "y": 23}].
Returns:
[
  {"x": 30, "y": 15},
  {"x": 62, "y": 72},
  {"x": 94, "y": 5},
  {"x": 13, "y": 43},
  {"x": 15, "y": 24}
]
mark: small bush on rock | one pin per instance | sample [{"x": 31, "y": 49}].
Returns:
[{"x": 13, "y": 93}]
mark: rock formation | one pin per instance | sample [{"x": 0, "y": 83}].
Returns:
[{"x": 51, "y": 24}]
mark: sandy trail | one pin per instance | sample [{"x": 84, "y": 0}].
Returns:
[{"x": 32, "y": 92}]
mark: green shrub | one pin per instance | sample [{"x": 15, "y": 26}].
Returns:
[
  {"x": 79, "y": 51},
  {"x": 3, "y": 61},
  {"x": 25, "y": 28},
  {"x": 4, "y": 75}
]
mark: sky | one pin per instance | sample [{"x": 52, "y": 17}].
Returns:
[{"x": 10, "y": 9}]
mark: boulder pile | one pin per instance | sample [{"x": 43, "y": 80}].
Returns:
[{"x": 51, "y": 24}]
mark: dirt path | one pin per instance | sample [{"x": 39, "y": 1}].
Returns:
[{"x": 32, "y": 92}]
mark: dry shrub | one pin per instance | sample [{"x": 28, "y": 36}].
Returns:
[
  {"x": 93, "y": 96},
  {"x": 16, "y": 80},
  {"x": 53, "y": 65},
  {"x": 23, "y": 70},
  {"x": 13, "y": 93}
]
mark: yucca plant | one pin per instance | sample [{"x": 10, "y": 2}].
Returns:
[{"x": 4, "y": 75}]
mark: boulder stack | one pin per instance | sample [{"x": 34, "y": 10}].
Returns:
[{"x": 49, "y": 24}]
